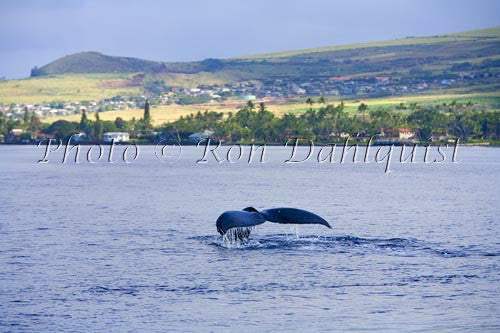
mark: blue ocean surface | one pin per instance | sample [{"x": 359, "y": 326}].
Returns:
[{"x": 132, "y": 247}]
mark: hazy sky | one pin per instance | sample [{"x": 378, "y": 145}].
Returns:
[{"x": 37, "y": 32}]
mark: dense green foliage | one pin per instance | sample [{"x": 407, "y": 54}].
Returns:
[
  {"x": 332, "y": 122},
  {"x": 329, "y": 123},
  {"x": 30, "y": 123},
  {"x": 94, "y": 129}
]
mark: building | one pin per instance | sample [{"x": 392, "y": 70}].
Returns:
[
  {"x": 196, "y": 137},
  {"x": 14, "y": 135},
  {"x": 43, "y": 136},
  {"x": 16, "y": 132},
  {"x": 406, "y": 133},
  {"x": 108, "y": 137},
  {"x": 79, "y": 137},
  {"x": 439, "y": 136},
  {"x": 248, "y": 97}
]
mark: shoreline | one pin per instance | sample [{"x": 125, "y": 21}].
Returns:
[{"x": 256, "y": 144}]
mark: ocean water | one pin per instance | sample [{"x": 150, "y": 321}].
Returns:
[{"x": 128, "y": 247}]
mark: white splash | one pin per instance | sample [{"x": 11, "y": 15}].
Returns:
[{"x": 236, "y": 236}]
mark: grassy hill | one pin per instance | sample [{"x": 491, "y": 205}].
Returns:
[
  {"x": 473, "y": 35},
  {"x": 395, "y": 56},
  {"x": 68, "y": 87},
  {"x": 94, "y": 62}
]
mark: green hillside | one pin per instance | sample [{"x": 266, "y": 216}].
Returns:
[
  {"x": 473, "y": 35},
  {"x": 94, "y": 62},
  {"x": 435, "y": 53}
]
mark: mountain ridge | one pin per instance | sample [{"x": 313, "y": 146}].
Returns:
[{"x": 95, "y": 62}]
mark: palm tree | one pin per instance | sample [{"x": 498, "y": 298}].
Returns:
[
  {"x": 362, "y": 108},
  {"x": 262, "y": 107},
  {"x": 26, "y": 116},
  {"x": 147, "y": 114},
  {"x": 250, "y": 105},
  {"x": 146, "y": 120},
  {"x": 98, "y": 128},
  {"x": 84, "y": 122}
]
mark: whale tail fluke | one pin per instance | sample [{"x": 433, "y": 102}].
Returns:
[
  {"x": 237, "y": 225},
  {"x": 293, "y": 216}
]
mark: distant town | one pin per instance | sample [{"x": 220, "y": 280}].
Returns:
[
  {"x": 271, "y": 90},
  {"x": 253, "y": 123}
]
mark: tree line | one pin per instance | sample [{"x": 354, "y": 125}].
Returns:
[
  {"x": 30, "y": 123},
  {"x": 93, "y": 128},
  {"x": 255, "y": 123}
]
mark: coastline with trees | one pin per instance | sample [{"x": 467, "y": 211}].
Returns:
[{"x": 255, "y": 123}]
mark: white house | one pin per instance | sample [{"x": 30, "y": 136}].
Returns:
[
  {"x": 16, "y": 131},
  {"x": 79, "y": 137},
  {"x": 196, "y": 137},
  {"x": 108, "y": 137},
  {"x": 406, "y": 133}
]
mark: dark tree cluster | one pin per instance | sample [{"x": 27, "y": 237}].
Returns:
[
  {"x": 30, "y": 124},
  {"x": 330, "y": 122}
]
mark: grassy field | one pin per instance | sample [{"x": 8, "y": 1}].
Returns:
[
  {"x": 168, "y": 113},
  {"x": 92, "y": 87},
  {"x": 160, "y": 115},
  {"x": 79, "y": 87}
]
